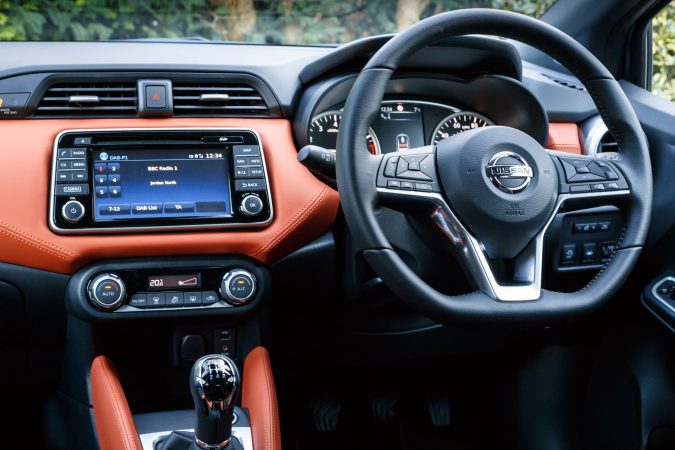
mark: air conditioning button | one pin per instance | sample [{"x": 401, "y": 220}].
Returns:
[{"x": 238, "y": 287}]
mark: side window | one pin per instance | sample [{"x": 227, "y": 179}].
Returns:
[{"x": 663, "y": 52}]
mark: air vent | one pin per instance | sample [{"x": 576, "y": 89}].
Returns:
[
  {"x": 566, "y": 83},
  {"x": 608, "y": 144},
  {"x": 89, "y": 99},
  {"x": 218, "y": 99}
]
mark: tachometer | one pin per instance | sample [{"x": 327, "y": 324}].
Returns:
[
  {"x": 324, "y": 128},
  {"x": 457, "y": 123}
]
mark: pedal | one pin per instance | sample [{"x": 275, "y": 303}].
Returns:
[
  {"x": 438, "y": 405},
  {"x": 383, "y": 408},
  {"x": 326, "y": 415}
]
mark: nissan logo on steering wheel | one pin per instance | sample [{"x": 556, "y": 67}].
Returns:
[{"x": 509, "y": 172}]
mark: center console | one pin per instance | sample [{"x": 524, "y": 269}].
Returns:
[{"x": 130, "y": 180}]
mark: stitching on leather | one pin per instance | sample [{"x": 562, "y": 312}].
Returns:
[
  {"x": 36, "y": 242},
  {"x": 125, "y": 428},
  {"x": 298, "y": 219},
  {"x": 270, "y": 429}
]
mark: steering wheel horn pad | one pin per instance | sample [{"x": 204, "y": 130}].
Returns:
[{"x": 498, "y": 178}]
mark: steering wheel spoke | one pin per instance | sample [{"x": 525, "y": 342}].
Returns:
[
  {"x": 589, "y": 181},
  {"x": 408, "y": 181}
]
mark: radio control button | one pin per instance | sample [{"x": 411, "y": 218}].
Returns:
[
  {"x": 192, "y": 299},
  {"x": 80, "y": 175},
  {"x": 144, "y": 208},
  {"x": 115, "y": 191},
  {"x": 63, "y": 176},
  {"x": 114, "y": 179},
  {"x": 114, "y": 210},
  {"x": 100, "y": 168},
  {"x": 79, "y": 153},
  {"x": 79, "y": 164},
  {"x": 251, "y": 205},
  {"x": 82, "y": 141},
  {"x": 73, "y": 211},
  {"x": 177, "y": 208},
  {"x": 138, "y": 300},
  {"x": 238, "y": 286},
  {"x": 113, "y": 167},
  {"x": 242, "y": 172},
  {"x": 107, "y": 291},
  {"x": 100, "y": 180},
  {"x": 156, "y": 300},
  {"x": 246, "y": 150},
  {"x": 63, "y": 165},
  {"x": 249, "y": 185}
]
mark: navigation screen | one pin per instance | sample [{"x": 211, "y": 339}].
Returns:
[{"x": 149, "y": 184}]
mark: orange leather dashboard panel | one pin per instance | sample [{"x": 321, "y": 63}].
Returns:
[
  {"x": 259, "y": 395},
  {"x": 564, "y": 137},
  {"x": 304, "y": 207},
  {"x": 115, "y": 426}
]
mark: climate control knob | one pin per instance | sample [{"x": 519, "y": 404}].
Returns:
[
  {"x": 238, "y": 286},
  {"x": 72, "y": 211},
  {"x": 107, "y": 291},
  {"x": 251, "y": 205}
]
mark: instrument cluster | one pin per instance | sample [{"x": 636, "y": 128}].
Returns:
[{"x": 400, "y": 125}]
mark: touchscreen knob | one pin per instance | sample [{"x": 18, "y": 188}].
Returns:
[
  {"x": 107, "y": 291},
  {"x": 251, "y": 205},
  {"x": 73, "y": 211},
  {"x": 238, "y": 286}
]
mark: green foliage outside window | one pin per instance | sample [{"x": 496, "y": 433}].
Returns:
[{"x": 663, "y": 52}]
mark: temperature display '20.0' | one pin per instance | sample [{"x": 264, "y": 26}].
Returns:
[{"x": 187, "y": 281}]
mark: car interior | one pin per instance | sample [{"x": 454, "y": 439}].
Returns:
[{"x": 457, "y": 236}]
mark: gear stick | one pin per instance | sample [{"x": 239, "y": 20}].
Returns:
[{"x": 214, "y": 383}]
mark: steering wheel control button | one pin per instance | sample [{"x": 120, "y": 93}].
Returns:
[
  {"x": 174, "y": 299},
  {"x": 569, "y": 254},
  {"x": 580, "y": 188},
  {"x": 138, "y": 300},
  {"x": 251, "y": 205},
  {"x": 72, "y": 211},
  {"x": 192, "y": 299},
  {"x": 394, "y": 184},
  {"x": 156, "y": 300},
  {"x": 424, "y": 187},
  {"x": 209, "y": 298},
  {"x": 107, "y": 291},
  {"x": 390, "y": 168},
  {"x": 589, "y": 254},
  {"x": 407, "y": 185},
  {"x": 238, "y": 286}
]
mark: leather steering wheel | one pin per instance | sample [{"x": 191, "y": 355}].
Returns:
[{"x": 493, "y": 191}]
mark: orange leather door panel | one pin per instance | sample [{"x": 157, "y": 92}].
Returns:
[{"x": 259, "y": 395}]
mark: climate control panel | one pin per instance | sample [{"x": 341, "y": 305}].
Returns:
[{"x": 182, "y": 285}]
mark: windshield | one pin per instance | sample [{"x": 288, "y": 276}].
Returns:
[{"x": 296, "y": 22}]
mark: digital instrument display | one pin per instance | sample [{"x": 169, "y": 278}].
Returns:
[
  {"x": 188, "y": 281},
  {"x": 160, "y": 183}
]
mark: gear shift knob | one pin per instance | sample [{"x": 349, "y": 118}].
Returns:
[{"x": 214, "y": 383}]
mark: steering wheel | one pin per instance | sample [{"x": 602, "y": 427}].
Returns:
[{"x": 493, "y": 191}]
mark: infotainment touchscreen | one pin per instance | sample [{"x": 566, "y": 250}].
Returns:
[{"x": 160, "y": 183}]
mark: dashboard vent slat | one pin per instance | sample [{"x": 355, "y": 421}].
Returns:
[
  {"x": 97, "y": 99},
  {"x": 218, "y": 99}
]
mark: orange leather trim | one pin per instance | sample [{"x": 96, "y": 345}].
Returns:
[
  {"x": 304, "y": 207},
  {"x": 114, "y": 424},
  {"x": 259, "y": 395},
  {"x": 564, "y": 137}
]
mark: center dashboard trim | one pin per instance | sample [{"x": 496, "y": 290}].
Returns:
[{"x": 141, "y": 229}]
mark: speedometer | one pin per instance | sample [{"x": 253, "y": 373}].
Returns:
[
  {"x": 458, "y": 123},
  {"x": 324, "y": 128}
]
